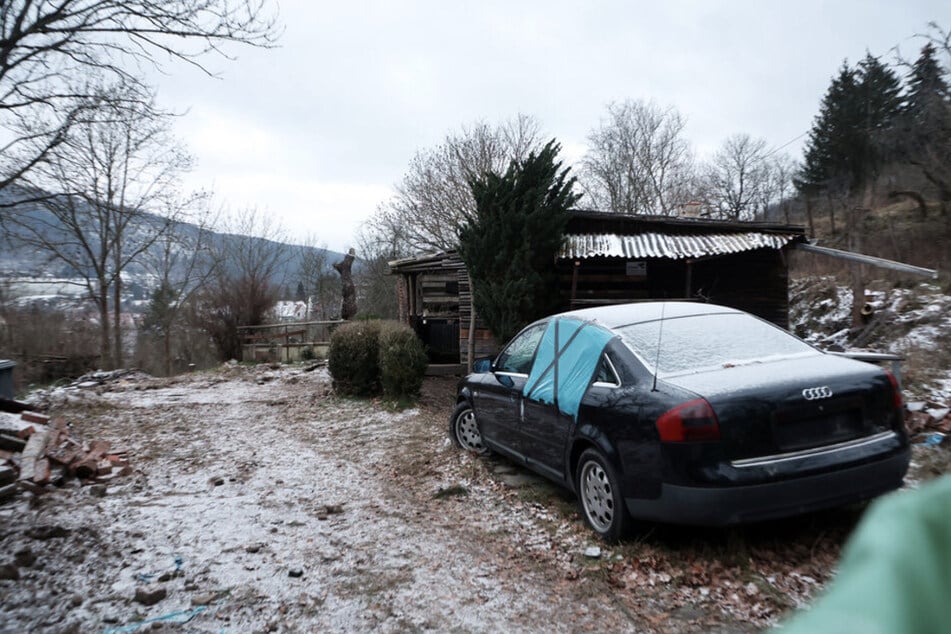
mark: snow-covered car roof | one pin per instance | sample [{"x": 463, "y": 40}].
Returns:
[{"x": 626, "y": 314}]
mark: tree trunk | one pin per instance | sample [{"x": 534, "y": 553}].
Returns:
[
  {"x": 812, "y": 226},
  {"x": 831, "y": 215},
  {"x": 167, "y": 341},
  {"x": 855, "y": 244},
  {"x": 117, "y": 321},
  {"x": 858, "y": 286},
  {"x": 348, "y": 304},
  {"x": 102, "y": 303}
]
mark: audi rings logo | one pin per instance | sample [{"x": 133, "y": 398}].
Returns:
[{"x": 816, "y": 393}]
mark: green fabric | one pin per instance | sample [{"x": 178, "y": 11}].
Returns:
[{"x": 895, "y": 573}]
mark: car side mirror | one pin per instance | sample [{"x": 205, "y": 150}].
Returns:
[{"x": 483, "y": 365}]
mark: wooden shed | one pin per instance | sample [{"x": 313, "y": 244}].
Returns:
[{"x": 613, "y": 258}]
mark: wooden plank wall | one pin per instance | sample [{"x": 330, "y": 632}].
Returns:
[
  {"x": 485, "y": 344},
  {"x": 439, "y": 293},
  {"x": 754, "y": 281},
  {"x": 599, "y": 281}
]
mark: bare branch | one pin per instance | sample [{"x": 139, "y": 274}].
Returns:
[
  {"x": 638, "y": 161},
  {"x": 46, "y": 45},
  {"x": 434, "y": 194},
  {"x": 108, "y": 170}
]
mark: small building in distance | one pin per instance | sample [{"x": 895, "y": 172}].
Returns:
[{"x": 614, "y": 258}]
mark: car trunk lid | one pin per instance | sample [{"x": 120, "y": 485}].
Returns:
[{"x": 793, "y": 404}]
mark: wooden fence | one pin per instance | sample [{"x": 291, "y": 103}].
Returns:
[{"x": 286, "y": 342}]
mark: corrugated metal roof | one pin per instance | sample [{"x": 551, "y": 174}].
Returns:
[
  {"x": 427, "y": 262},
  {"x": 667, "y": 245}
]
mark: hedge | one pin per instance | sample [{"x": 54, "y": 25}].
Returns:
[
  {"x": 353, "y": 359},
  {"x": 403, "y": 361},
  {"x": 370, "y": 357}
]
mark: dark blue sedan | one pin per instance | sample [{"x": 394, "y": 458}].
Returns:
[{"x": 685, "y": 412}]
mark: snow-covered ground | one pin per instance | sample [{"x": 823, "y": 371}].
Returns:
[
  {"x": 914, "y": 322},
  {"x": 262, "y": 502}
]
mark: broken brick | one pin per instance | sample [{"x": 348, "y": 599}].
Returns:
[
  {"x": 35, "y": 417},
  {"x": 85, "y": 468},
  {"x": 41, "y": 471},
  {"x": 26, "y": 432}
]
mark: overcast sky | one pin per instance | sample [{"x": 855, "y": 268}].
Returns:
[{"x": 318, "y": 131}]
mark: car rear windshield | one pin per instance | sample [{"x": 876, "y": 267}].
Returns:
[{"x": 705, "y": 342}]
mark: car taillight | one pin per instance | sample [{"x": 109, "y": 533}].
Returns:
[
  {"x": 896, "y": 390},
  {"x": 693, "y": 420}
]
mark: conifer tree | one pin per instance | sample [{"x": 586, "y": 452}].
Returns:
[
  {"x": 927, "y": 88},
  {"x": 845, "y": 146},
  {"x": 826, "y": 150},
  {"x": 509, "y": 243},
  {"x": 879, "y": 104},
  {"x": 923, "y": 137}
]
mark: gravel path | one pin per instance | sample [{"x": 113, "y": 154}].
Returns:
[{"x": 261, "y": 502}]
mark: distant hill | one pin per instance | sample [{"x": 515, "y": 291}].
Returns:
[{"x": 36, "y": 269}]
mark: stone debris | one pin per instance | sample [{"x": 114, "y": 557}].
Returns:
[
  {"x": 204, "y": 598},
  {"x": 150, "y": 594},
  {"x": 927, "y": 422},
  {"x": 24, "y": 558},
  {"x": 37, "y": 452},
  {"x": 100, "y": 377}
]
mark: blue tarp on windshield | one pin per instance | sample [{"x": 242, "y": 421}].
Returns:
[{"x": 565, "y": 363}]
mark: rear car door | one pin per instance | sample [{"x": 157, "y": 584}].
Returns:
[{"x": 545, "y": 429}]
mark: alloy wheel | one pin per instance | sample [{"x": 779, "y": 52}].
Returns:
[
  {"x": 467, "y": 432},
  {"x": 597, "y": 496}
]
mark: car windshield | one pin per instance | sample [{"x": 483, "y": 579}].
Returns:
[{"x": 706, "y": 342}]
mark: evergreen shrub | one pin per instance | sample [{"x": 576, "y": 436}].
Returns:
[
  {"x": 353, "y": 359},
  {"x": 402, "y": 361}
]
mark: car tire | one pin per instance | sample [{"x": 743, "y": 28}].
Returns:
[
  {"x": 599, "y": 496},
  {"x": 464, "y": 429}
]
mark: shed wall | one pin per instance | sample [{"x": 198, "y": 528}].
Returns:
[
  {"x": 436, "y": 300},
  {"x": 754, "y": 281}
]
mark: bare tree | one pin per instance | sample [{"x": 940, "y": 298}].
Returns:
[
  {"x": 108, "y": 173},
  {"x": 779, "y": 190},
  {"x": 638, "y": 161},
  {"x": 425, "y": 212},
  {"x": 317, "y": 278},
  {"x": 376, "y": 287},
  {"x": 47, "y": 48},
  {"x": 250, "y": 260},
  {"x": 738, "y": 177},
  {"x": 182, "y": 264}
]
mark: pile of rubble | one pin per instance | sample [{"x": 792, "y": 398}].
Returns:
[
  {"x": 928, "y": 422},
  {"x": 36, "y": 452}
]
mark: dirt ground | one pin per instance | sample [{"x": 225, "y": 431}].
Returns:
[{"x": 261, "y": 502}]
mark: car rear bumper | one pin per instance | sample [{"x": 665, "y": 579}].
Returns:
[{"x": 726, "y": 505}]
